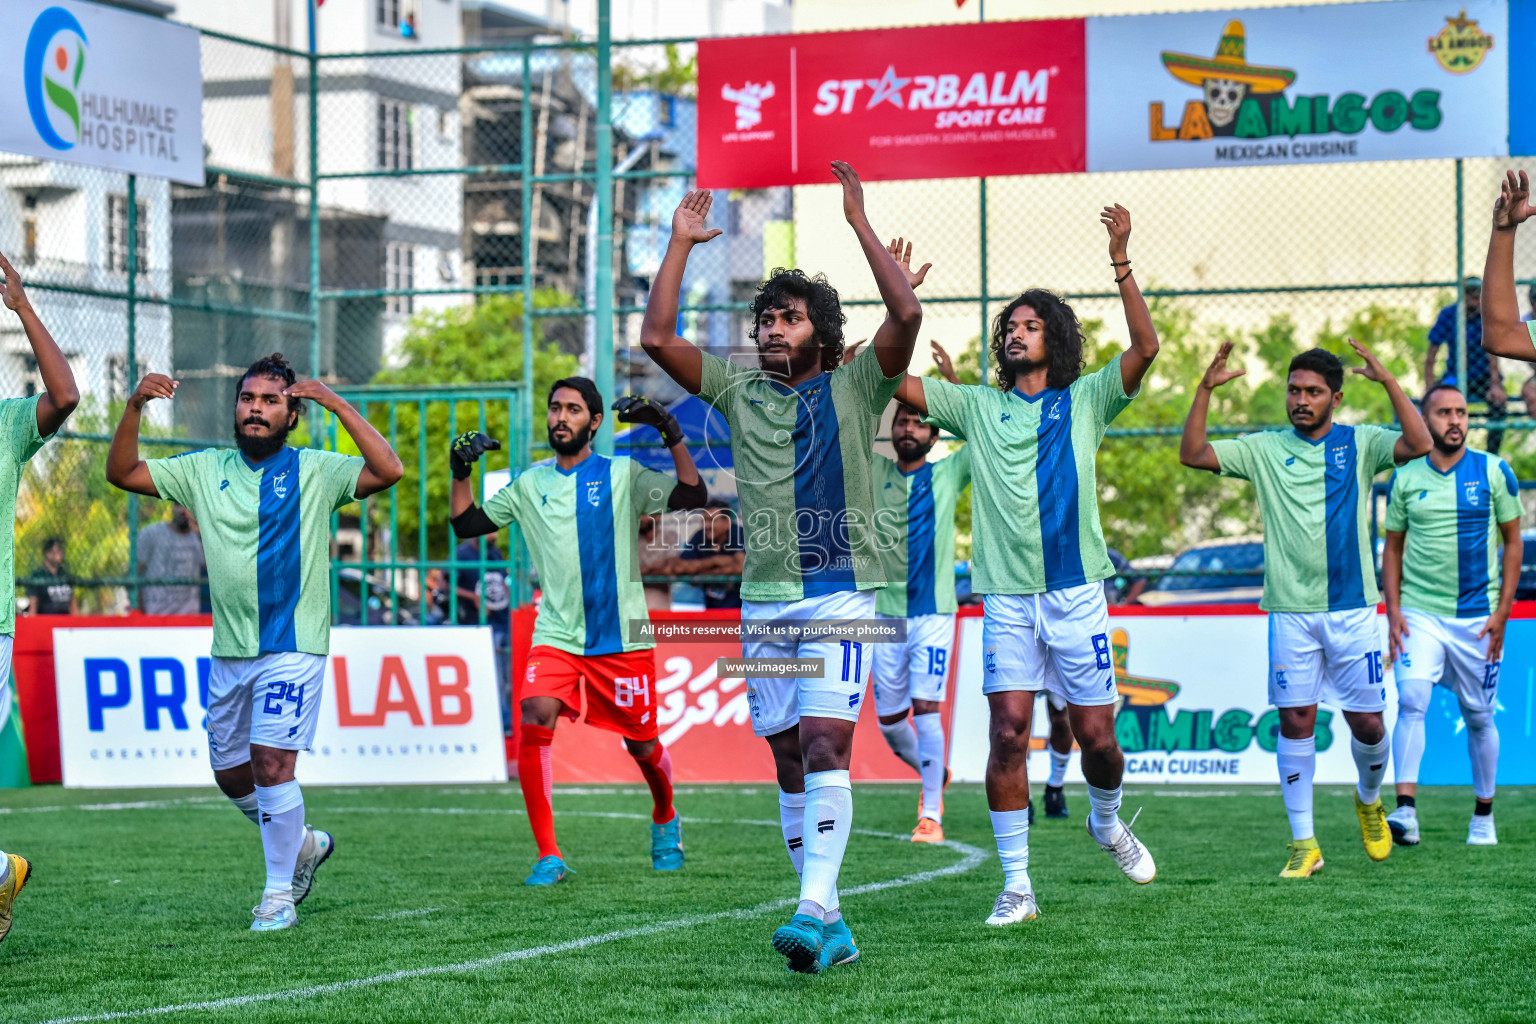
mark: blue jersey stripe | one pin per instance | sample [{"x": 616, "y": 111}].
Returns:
[
  {"x": 599, "y": 572},
  {"x": 821, "y": 512},
  {"x": 1474, "y": 508},
  {"x": 1056, "y": 482},
  {"x": 1346, "y": 586},
  {"x": 920, "y": 529},
  {"x": 278, "y": 576}
]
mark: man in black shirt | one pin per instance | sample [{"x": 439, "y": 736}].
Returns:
[{"x": 49, "y": 587}]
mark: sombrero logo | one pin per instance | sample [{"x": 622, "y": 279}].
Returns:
[
  {"x": 1247, "y": 101},
  {"x": 51, "y": 68},
  {"x": 1461, "y": 45}
]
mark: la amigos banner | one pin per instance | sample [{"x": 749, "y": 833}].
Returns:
[{"x": 400, "y": 705}]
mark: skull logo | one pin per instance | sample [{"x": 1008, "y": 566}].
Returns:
[{"x": 1222, "y": 98}]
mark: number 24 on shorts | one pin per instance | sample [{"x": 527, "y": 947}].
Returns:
[{"x": 277, "y": 693}]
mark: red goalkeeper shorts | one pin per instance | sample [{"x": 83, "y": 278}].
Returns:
[{"x": 620, "y": 688}]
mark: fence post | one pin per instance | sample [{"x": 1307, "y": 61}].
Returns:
[
  {"x": 132, "y": 375},
  {"x": 314, "y": 224},
  {"x": 523, "y": 452},
  {"x": 602, "y": 363},
  {"x": 984, "y": 353},
  {"x": 1461, "y": 294}
]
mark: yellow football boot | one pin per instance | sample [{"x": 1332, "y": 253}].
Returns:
[
  {"x": 928, "y": 831},
  {"x": 1373, "y": 828},
  {"x": 1303, "y": 859},
  {"x": 20, "y": 871}
]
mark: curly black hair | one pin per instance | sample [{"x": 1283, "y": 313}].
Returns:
[
  {"x": 1323, "y": 363},
  {"x": 821, "y": 305},
  {"x": 274, "y": 367},
  {"x": 1063, "y": 338}
]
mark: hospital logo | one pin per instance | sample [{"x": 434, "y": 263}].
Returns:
[
  {"x": 1461, "y": 45},
  {"x": 51, "y": 69}
]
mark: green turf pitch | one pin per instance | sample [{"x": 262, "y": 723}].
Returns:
[{"x": 144, "y": 907}]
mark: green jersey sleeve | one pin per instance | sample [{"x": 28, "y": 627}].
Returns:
[
  {"x": 503, "y": 507},
  {"x": 175, "y": 477},
  {"x": 1380, "y": 444},
  {"x": 1237, "y": 456},
  {"x": 870, "y": 383},
  {"x": 338, "y": 475},
  {"x": 649, "y": 490},
  {"x": 1107, "y": 387},
  {"x": 949, "y": 405},
  {"x": 1397, "y": 505},
  {"x": 18, "y": 425},
  {"x": 1506, "y": 499},
  {"x": 958, "y": 464},
  {"x": 716, "y": 376}
]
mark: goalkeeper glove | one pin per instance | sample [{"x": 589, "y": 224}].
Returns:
[
  {"x": 634, "y": 409},
  {"x": 466, "y": 448}
]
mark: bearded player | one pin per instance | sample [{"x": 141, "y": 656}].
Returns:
[
  {"x": 1448, "y": 598},
  {"x": 264, "y": 510},
  {"x": 580, "y": 518},
  {"x": 1313, "y": 483},
  {"x": 26, "y": 424},
  {"x": 1040, "y": 556},
  {"x": 802, "y": 424}
]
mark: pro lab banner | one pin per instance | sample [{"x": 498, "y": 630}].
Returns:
[
  {"x": 400, "y": 705},
  {"x": 1408, "y": 80},
  {"x": 100, "y": 86},
  {"x": 933, "y": 102}
]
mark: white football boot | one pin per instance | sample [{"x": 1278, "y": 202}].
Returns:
[
  {"x": 1404, "y": 823},
  {"x": 1481, "y": 832},
  {"x": 275, "y": 912},
  {"x": 318, "y": 847},
  {"x": 1013, "y": 908},
  {"x": 1128, "y": 852}
]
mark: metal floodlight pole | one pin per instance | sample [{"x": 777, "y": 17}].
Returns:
[
  {"x": 981, "y": 15},
  {"x": 602, "y": 368},
  {"x": 314, "y": 222},
  {"x": 589, "y": 348},
  {"x": 523, "y": 431},
  {"x": 1461, "y": 291},
  {"x": 132, "y": 373}
]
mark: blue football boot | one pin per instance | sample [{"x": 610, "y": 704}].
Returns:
[
  {"x": 800, "y": 941},
  {"x": 667, "y": 844},
  {"x": 836, "y": 945},
  {"x": 548, "y": 871}
]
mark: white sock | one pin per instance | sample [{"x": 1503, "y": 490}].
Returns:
[
  {"x": 1297, "y": 760},
  {"x": 1104, "y": 814},
  {"x": 1058, "y": 768},
  {"x": 930, "y": 745},
  {"x": 903, "y": 742},
  {"x": 828, "y": 819},
  {"x": 1011, "y": 830},
  {"x": 1483, "y": 746},
  {"x": 1408, "y": 731},
  {"x": 282, "y": 831},
  {"x": 247, "y": 806},
  {"x": 792, "y": 823},
  {"x": 1371, "y": 763},
  {"x": 5, "y": 867}
]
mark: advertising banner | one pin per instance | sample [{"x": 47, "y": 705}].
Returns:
[
  {"x": 400, "y": 705},
  {"x": 1412, "y": 80},
  {"x": 1522, "y": 77},
  {"x": 932, "y": 102},
  {"x": 96, "y": 85}
]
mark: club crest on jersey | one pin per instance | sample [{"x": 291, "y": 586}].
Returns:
[
  {"x": 1340, "y": 456},
  {"x": 1471, "y": 487},
  {"x": 280, "y": 485},
  {"x": 594, "y": 492},
  {"x": 1055, "y": 413}
]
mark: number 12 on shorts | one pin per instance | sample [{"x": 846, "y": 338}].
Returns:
[{"x": 853, "y": 654}]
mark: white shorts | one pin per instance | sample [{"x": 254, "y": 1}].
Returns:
[
  {"x": 1326, "y": 657},
  {"x": 1448, "y": 651},
  {"x": 916, "y": 669},
  {"x": 1056, "y": 641},
  {"x": 272, "y": 700},
  {"x": 778, "y": 704},
  {"x": 6, "y": 700}
]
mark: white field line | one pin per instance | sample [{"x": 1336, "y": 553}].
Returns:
[
  {"x": 970, "y": 857},
  {"x": 395, "y": 915}
]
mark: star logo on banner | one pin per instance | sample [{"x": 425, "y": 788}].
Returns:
[{"x": 887, "y": 88}]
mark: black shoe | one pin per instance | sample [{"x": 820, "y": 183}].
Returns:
[
  {"x": 1055, "y": 802},
  {"x": 1030, "y": 807}
]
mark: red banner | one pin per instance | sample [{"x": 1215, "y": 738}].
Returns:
[{"x": 932, "y": 102}]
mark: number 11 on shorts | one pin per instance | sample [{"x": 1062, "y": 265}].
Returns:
[{"x": 853, "y": 652}]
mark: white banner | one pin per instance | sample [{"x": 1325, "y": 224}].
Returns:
[
  {"x": 401, "y": 704},
  {"x": 1194, "y": 711},
  {"x": 1411, "y": 80},
  {"x": 99, "y": 86}
]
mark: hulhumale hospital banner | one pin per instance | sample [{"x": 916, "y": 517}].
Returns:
[
  {"x": 933, "y": 102},
  {"x": 1374, "y": 81},
  {"x": 99, "y": 86}
]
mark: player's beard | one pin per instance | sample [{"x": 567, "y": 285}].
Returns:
[
  {"x": 579, "y": 439},
  {"x": 260, "y": 447},
  {"x": 1447, "y": 447},
  {"x": 791, "y": 362},
  {"x": 1022, "y": 366},
  {"x": 911, "y": 448}
]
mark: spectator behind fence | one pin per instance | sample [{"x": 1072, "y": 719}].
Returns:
[
  {"x": 435, "y": 598},
  {"x": 50, "y": 588},
  {"x": 171, "y": 551},
  {"x": 1484, "y": 380},
  {"x": 716, "y": 549}
]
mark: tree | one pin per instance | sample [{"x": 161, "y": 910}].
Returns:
[{"x": 479, "y": 343}]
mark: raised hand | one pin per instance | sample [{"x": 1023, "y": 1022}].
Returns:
[
  {"x": 1372, "y": 370},
  {"x": 11, "y": 292},
  {"x": 853, "y": 190},
  {"x": 634, "y": 409},
  {"x": 315, "y": 390},
  {"x": 154, "y": 385},
  {"x": 901, "y": 251},
  {"x": 942, "y": 361},
  {"x": 466, "y": 449},
  {"x": 688, "y": 219},
  {"x": 1514, "y": 203},
  {"x": 1217, "y": 373},
  {"x": 1117, "y": 220}
]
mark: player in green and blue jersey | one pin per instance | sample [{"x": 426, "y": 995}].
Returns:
[
  {"x": 26, "y": 424},
  {"x": 1448, "y": 598},
  {"x": 580, "y": 519},
  {"x": 264, "y": 510},
  {"x": 1039, "y": 554},
  {"x": 802, "y": 424},
  {"x": 1312, "y": 483}
]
